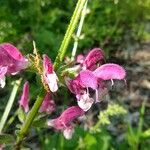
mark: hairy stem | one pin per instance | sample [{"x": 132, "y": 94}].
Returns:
[
  {"x": 9, "y": 104},
  {"x": 30, "y": 117},
  {"x": 69, "y": 32},
  {"x": 61, "y": 53}
]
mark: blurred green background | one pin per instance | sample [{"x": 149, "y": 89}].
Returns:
[{"x": 115, "y": 26}]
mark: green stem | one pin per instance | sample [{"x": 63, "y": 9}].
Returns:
[
  {"x": 75, "y": 46},
  {"x": 9, "y": 104},
  {"x": 140, "y": 124},
  {"x": 69, "y": 32},
  {"x": 30, "y": 117}
]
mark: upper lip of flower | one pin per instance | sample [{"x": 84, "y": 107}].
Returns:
[
  {"x": 12, "y": 58},
  {"x": 13, "y": 52},
  {"x": 65, "y": 119},
  {"x": 96, "y": 55}
]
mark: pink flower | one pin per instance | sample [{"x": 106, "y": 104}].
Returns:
[
  {"x": 12, "y": 61},
  {"x": 94, "y": 79},
  {"x": 11, "y": 57},
  {"x": 24, "y": 101},
  {"x": 110, "y": 71},
  {"x": 94, "y": 57},
  {"x": 80, "y": 59},
  {"x": 63, "y": 122},
  {"x": 48, "y": 104},
  {"x": 80, "y": 86},
  {"x": 49, "y": 74}
]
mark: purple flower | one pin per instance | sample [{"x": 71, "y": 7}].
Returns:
[
  {"x": 12, "y": 61},
  {"x": 24, "y": 101},
  {"x": 80, "y": 86},
  {"x": 94, "y": 57},
  {"x": 49, "y": 74},
  {"x": 63, "y": 122},
  {"x": 11, "y": 57},
  {"x": 48, "y": 104},
  {"x": 93, "y": 77},
  {"x": 110, "y": 71}
]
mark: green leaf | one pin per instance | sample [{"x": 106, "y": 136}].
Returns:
[
  {"x": 40, "y": 122},
  {"x": 6, "y": 139},
  {"x": 146, "y": 133},
  {"x": 21, "y": 115}
]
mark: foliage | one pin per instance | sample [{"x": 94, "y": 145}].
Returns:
[
  {"x": 107, "y": 24},
  {"x": 112, "y": 110}
]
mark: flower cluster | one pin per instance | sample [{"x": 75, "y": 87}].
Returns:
[{"x": 90, "y": 76}]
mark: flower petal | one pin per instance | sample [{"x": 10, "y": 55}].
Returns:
[
  {"x": 48, "y": 104},
  {"x": 68, "y": 132},
  {"x": 13, "y": 51},
  {"x": 85, "y": 102},
  {"x": 110, "y": 71},
  {"x": 24, "y": 101},
  {"x": 95, "y": 56},
  {"x": 52, "y": 82},
  {"x": 2, "y": 82},
  {"x": 11, "y": 57},
  {"x": 3, "y": 71},
  {"x": 88, "y": 79},
  {"x": 80, "y": 59},
  {"x": 47, "y": 64},
  {"x": 65, "y": 119}
]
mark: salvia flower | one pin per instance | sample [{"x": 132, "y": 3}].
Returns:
[
  {"x": 50, "y": 76},
  {"x": 80, "y": 87},
  {"x": 24, "y": 100},
  {"x": 92, "y": 76},
  {"x": 94, "y": 57},
  {"x": 12, "y": 61},
  {"x": 63, "y": 122},
  {"x": 48, "y": 104}
]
